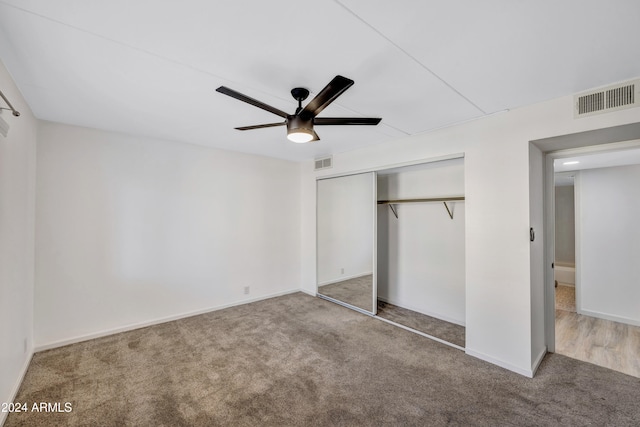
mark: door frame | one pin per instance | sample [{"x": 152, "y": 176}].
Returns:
[{"x": 615, "y": 138}]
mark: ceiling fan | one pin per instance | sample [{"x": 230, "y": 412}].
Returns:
[{"x": 300, "y": 124}]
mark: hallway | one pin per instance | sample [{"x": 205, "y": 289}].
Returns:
[{"x": 602, "y": 342}]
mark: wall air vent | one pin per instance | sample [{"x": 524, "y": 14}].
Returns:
[
  {"x": 323, "y": 163},
  {"x": 611, "y": 98}
]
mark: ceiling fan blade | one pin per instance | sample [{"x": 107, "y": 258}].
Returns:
[
  {"x": 334, "y": 89},
  {"x": 244, "y": 98},
  {"x": 324, "y": 121},
  {"x": 267, "y": 125}
]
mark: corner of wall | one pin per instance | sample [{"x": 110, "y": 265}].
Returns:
[{"x": 17, "y": 240}]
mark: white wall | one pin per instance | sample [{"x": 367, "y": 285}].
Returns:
[
  {"x": 537, "y": 255},
  {"x": 17, "y": 201},
  {"x": 345, "y": 223},
  {"x": 421, "y": 253},
  {"x": 132, "y": 230},
  {"x": 565, "y": 225},
  {"x": 497, "y": 216},
  {"x": 607, "y": 209}
]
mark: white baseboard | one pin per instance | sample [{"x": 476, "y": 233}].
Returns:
[
  {"x": 525, "y": 372},
  {"x": 16, "y": 387},
  {"x": 565, "y": 274},
  {"x": 567, "y": 285},
  {"x": 343, "y": 278},
  {"x": 607, "y": 316},
  {"x": 538, "y": 361},
  {"x": 426, "y": 313},
  {"x": 304, "y": 291},
  {"x": 131, "y": 327}
]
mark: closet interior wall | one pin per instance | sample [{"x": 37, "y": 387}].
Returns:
[{"x": 421, "y": 254}]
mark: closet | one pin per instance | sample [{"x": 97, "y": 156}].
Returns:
[{"x": 391, "y": 244}]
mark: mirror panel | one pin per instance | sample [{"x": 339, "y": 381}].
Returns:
[{"x": 346, "y": 240}]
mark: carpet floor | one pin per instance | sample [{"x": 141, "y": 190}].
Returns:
[
  {"x": 357, "y": 292},
  {"x": 299, "y": 360},
  {"x": 566, "y": 298},
  {"x": 446, "y": 331}
]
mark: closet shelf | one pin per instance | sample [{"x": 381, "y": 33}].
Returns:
[{"x": 444, "y": 200}]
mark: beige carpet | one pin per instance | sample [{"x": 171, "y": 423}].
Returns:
[
  {"x": 446, "y": 331},
  {"x": 297, "y": 360},
  {"x": 566, "y": 298},
  {"x": 357, "y": 291}
]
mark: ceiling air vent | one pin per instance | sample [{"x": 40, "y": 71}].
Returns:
[
  {"x": 608, "y": 99},
  {"x": 323, "y": 163}
]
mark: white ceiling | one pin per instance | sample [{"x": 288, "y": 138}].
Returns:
[
  {"x": 151, "y": 68},
  {"x": 565, "y": 168}
]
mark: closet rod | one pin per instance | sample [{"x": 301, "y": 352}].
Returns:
[
  {"x": 444, "y": 200},
  {"x": 13, "y": 110},
  {"x": 439, "y": 199}
]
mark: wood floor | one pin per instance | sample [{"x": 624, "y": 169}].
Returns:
[{"x": 602, "y": 342}]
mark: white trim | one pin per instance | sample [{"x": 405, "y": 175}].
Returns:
[
  {"x": 566, "y": 285},
  {"x": 566, "y": 275},
  {"x": 577, "y": 210},
  {"x": 538, "y": 361},
  {"x": 347, "y": 305},
  {"x": 426, "y": 313},
  {"x": 605, "y": 147},
  {"x": 313, "y": 294},
  {"x": 343, "y": 278},
  {"x": 134, "y": 326},
  {"x": 395, "y": 165},
  {"x": 549, "y": 225},
  {"x": 611, "y": 317},
  {"x": 374, "y": 244},
  {"x": 551, "y": 153},
  {"x": 16, "y": 387},
  {"x": 526, "y": 372}
]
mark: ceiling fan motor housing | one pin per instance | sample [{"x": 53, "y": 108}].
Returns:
[
  {"x": 298, "y": 122},
  {"x": 299, "y": 93}
]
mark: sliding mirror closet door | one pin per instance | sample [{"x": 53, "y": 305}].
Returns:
[
  {"x": 346, "y": 239},
  {"x": 421, "y": 248}
]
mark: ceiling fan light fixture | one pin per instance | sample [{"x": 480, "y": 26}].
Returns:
[
  {"x": 300, "y": 124},
  {"x": 300, "y": 136},
  {"x": 299, "y": 130}
]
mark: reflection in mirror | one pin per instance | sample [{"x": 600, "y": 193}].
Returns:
[{"x": 346, "y": 208}]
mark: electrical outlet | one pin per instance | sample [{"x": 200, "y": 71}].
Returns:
[
  {"x": 247, "y": 289},
  {"x": 342, "y": 271}
]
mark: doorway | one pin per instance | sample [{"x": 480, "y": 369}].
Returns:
[
  {"x": 598, "y": 315},
  {"x": 616, "y": 139}
]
